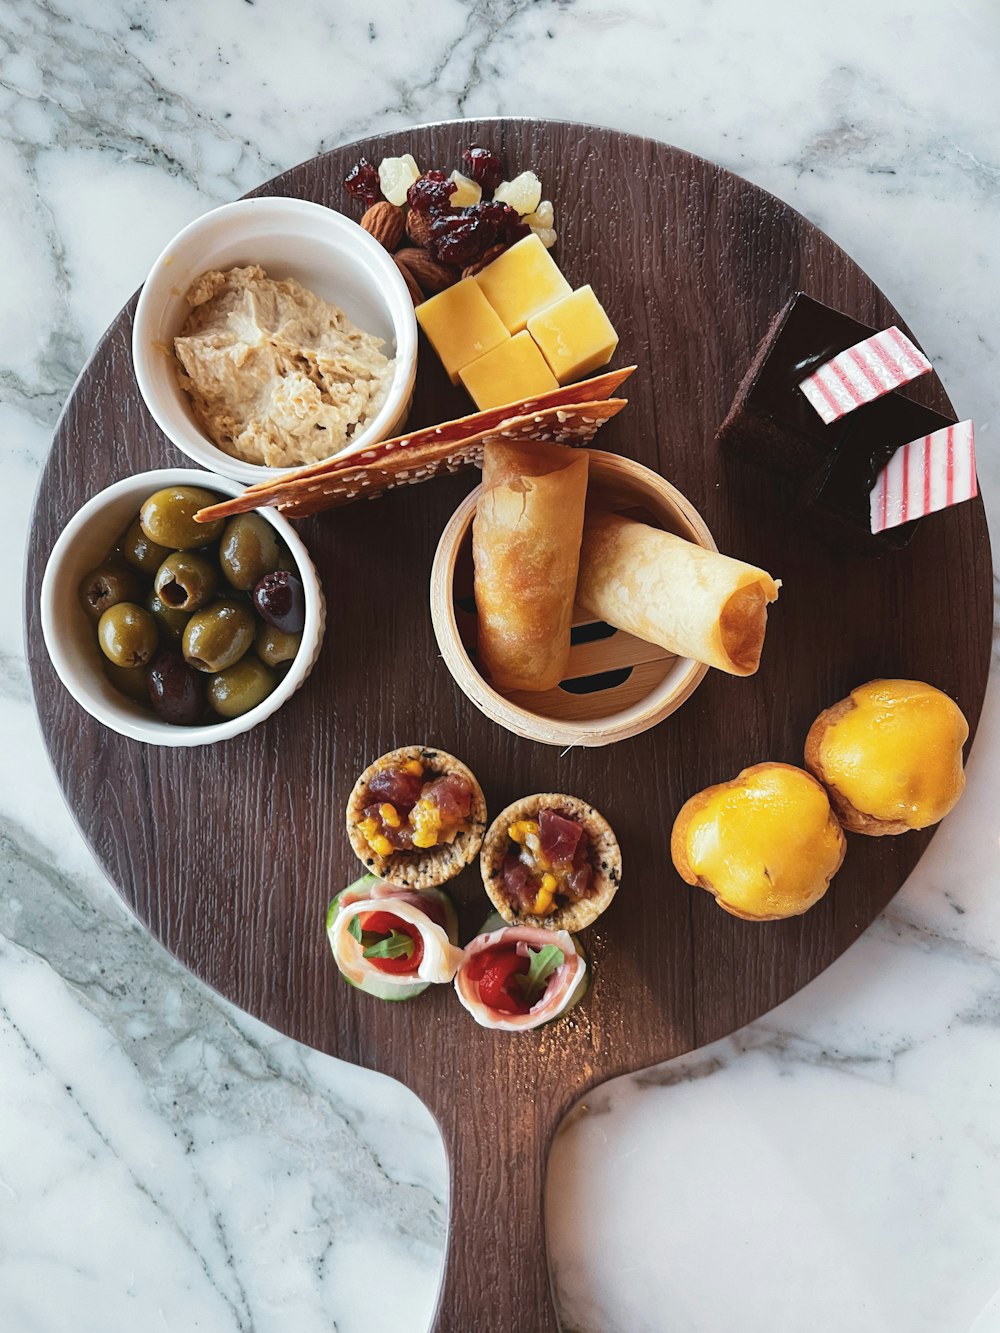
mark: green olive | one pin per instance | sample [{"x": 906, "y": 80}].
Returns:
[
  {"x": 217, "y": 636},
  {"x": 186, "y": 580},
  {"x": 235, "y": 691},
  {"x": 130, "y": 681},
  {"x": 171, "y": 622},
  {"x": 127, "y": 635},
  {"x": 141, "y": 553},
  {"x": 167, "y": 517},
  {"x": 248, "y": 550},
  {"x": 274, "y": 646},
  {"x": 105, "y": 586}
]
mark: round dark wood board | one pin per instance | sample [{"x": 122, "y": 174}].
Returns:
[{"x": 230, "y": 853}]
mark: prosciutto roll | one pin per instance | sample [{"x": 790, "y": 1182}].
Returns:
[
  {"x": 514, "y": 978},
  {"x": 393, "y": 943}
]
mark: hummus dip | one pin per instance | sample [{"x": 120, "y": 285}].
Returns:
[{"x": 276, "y": 375}]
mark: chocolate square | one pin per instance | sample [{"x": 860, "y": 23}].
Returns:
[
  {"x": 835, "y": 504},
  {"x": 771, "y": 421}
]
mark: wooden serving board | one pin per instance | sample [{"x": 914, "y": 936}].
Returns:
[{"x": 230, "y": 853}]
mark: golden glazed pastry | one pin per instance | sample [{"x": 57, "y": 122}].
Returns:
[
  {"x": 890, "y": 755},
  {"x": 765, "y": 844}
]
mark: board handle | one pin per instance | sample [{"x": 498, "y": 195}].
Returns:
[{"x": 496, "y": 1273}]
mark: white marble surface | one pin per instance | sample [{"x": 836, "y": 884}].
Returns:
[{"x": 166, "y": 1162}]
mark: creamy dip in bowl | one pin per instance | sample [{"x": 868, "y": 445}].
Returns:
[{"x": 322, "y": 344}]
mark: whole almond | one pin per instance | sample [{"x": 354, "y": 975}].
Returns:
[
  {"x": 385, "y": 222},
  {"x": 492, "y": 253},
  {"x": 412, "y": 286},
  {"x": 418, "y": 227},
  {"x": 431, "y": 275}
]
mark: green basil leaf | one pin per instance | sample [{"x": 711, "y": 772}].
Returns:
[
  {"x": 395, "y": 945},
  {"x": 354, "y": 927},
  {"x": 541, "y": 964}
]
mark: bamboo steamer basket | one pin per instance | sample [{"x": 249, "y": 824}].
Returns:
[{"x": 616, "y": 685}]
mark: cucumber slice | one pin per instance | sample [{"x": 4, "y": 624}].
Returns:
[
  {"x": 360, "y": 885},
  {"x": 383, "y": 988}
]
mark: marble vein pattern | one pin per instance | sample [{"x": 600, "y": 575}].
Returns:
[{"x": 166, "y": 1162}]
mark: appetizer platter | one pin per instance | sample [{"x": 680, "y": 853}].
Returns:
[{"x": 591, "y": 703}]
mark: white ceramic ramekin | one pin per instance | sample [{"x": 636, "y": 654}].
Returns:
[
  {"x": 289, "y": 238},
  {"x": 72, "y": 643}
]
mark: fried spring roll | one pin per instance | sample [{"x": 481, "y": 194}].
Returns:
[
  {"x": 526, "y": 551},
  {"x": 668, "y": 591}
]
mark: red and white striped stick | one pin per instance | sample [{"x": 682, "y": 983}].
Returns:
[
  {"x": 926, "y": 475},
  {"x": 863, "y": 373}
]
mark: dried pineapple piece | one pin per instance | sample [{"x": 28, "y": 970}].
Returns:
[
  {"x": 396, "y": 175},
  {"x": 543, "y": 217},
  {"x": 468, "y": 191},
  {"x": 523, "y": 193}
]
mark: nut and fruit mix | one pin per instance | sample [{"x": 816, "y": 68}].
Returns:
[{"x": 491, "y": 299}]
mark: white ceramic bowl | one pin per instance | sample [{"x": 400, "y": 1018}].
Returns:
[
  {"x": 69, "y": 634},
  {"x": 289, "y": 238}
]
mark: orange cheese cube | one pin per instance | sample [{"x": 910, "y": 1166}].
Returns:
[
  {"x": 461, "y": 325},
  {"x": 575, "y": 335},
  {"x": 511, "y": 372},
  {"x": 522, "y": 281}
]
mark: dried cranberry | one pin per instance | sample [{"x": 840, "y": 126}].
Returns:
[
  {"x": 431, "y": 192},
  {"x": 362, "y": 181},
  {"x": 463, "y": 235},
  {"x": 484, "y": 167}
]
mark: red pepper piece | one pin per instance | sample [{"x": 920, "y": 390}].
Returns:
[
  {"x": 496, "y": 971},
  {"x": 384, "y": 923}
]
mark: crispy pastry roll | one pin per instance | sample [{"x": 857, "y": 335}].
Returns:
[
  {"x": 526, "y": 551},
  {"x": 666, "y": 590}
]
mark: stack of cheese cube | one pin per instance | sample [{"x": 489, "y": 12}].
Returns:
[{"x": 516, "y": 329}]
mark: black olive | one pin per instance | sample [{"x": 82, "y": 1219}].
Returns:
[
  {"x": 280, "y": 601},
  {"x": 176, "y": 691}
]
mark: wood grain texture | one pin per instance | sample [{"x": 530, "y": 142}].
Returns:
[{"x": 230, "y": 853}]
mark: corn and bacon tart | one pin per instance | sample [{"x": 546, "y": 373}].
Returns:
[
  {"x": 416, "y": 817},
  {"x": 539, "y": 872},
  {"x": 566, "y": 416}
]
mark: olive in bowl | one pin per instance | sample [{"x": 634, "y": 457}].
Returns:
[{"x": 111, "y": 692}]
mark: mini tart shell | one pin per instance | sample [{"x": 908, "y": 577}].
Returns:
[
  {"x": 425, "y": 868},
  {"x": 687, "y": 872},
  {"x": 605, "y": 857}
]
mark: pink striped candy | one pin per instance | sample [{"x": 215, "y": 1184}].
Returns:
[
  {"x": 863, "y": 373},
  {"x": 926, "y": 475}
]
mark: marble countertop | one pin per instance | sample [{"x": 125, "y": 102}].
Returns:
[{"x": 166, "y": 1162}]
